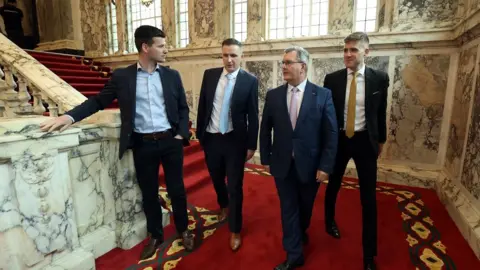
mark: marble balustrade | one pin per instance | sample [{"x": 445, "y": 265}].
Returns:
[{"x": 65, "y": 198}]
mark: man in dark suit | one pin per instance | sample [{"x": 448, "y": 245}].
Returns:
[
  {"x": 360, "y": 97},
  {"x": 227, "y": 128},
  {"x": 302, "y": 153},
  {"x": 154, "y": 115}
]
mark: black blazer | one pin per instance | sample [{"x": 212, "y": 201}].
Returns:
[
  {"x": 376, "y": 92},
  {"x": 244, "y": 106},
  {"x": 122, "y": 86},
  {"x": 314, "y": 139}
]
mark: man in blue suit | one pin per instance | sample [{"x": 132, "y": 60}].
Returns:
[{"x": 302, "y": 153}]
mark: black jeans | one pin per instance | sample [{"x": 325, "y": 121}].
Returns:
[{"x": 147, "y": 157}]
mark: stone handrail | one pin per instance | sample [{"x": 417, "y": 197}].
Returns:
[{"x": 45, "y": 85}]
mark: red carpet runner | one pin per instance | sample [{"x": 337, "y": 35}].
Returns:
[
  {"x": 82, "y": 73},
  {"x": 415, "y": 231}
]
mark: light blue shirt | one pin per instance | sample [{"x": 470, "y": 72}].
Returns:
[{"x": 150, "y": 113}]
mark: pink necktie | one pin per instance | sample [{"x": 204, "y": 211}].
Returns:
[{"x": 293, "y": 107}]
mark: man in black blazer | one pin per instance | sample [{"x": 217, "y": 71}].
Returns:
[
  {"x": 360, "y": 97},
  {"x": 302, "y": 152},
  {"x": 154, "y": 115},
  {"x": 227, "y": 128}
]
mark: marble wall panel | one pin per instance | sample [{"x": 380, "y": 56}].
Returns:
[
  {"x": 421, "y": 14},
  {"x": 419, "y": 88},
  {"x": 204, "y": 11},
  {"x": 471, "y": 166},
  {"x": 94, "y": 27},
  {"x": 460, "y": 111},
  {"x": 263, "y": 70},
  {"x": 341, "y": 17}
]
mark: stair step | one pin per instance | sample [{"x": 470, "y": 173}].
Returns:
[
  {"x": 48, "y": 58},
  {"x": 193, "y": 163},
  {"x": 88, "y": 87},
  {"x": 82, "y": 73},
  {"x": 194, "y": 147},
  {"x": 84, "y": 80},
  {"x": 72, "y": 67}
]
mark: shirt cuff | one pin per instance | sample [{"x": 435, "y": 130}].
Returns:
[{"x": 71, "y": 118}]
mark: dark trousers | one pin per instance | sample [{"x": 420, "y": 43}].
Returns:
[
  {"x": 17, "y": 37},
  {"x": 147, "y": 156},
  {"x": 296, "y": 204},
  {"x": 225, "y": 157},
  {"x": 361, "y": 150}
]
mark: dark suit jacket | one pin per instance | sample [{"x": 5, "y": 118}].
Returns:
[
  {"x": 243, "y": 108},
  {"x": 376, "y": 92},
  {"x": 122, "y": 86},
  {"x": 314, "y": 140}
]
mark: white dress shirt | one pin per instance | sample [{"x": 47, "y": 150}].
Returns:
[
  {"x": 301, "y": 88},
  {"x": 360, "y": 122},
  {"x": 214, "y": 125}
]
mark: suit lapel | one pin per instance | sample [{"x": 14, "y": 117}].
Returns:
[
  {"x": 236, "y": 88},
  {"x": 369, "y": 83},
  {"x": 309, "y": 96},
  {"x": 132, "y": 85},
  {"x": 167, "y": 94},
  {"x": 213, "y": 86},
  {"x": 343, "y": 89},
  {"x": 284, "y": 104}
]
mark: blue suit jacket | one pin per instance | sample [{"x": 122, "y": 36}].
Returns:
[{"x": 314, "y": 140}]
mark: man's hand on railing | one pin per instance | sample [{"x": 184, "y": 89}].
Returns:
[{"x": 62, "y": 123}]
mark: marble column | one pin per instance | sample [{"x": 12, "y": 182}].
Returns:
[
  {"x": 59, "y": 26},
  {"x": 341, "y": 17},
  {"x": 169, "y": 22},
  {"x": 256, "y": 20},
  {"x": 94, "y": 27},
  {"x": 121, "y": 14},
  {"x": 384, "y": 15},
  {"x": 208, "y": 22}
]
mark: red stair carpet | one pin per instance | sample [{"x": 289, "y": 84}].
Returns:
[
  {"x": 82, "y": 73},
  {"x": 415, "y": 231}
]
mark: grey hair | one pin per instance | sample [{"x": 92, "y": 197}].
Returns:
[
  {"x": 358, "y": 36},
  {"x": 302, "y": 54}
]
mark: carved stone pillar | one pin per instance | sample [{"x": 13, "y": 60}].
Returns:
[
  {"x": 385, "y": 15},
  {"x": 169, "y": 22},
  {"x": 59, "y": 26},
  {"x": 201, "y": 23},
  {"x": 341, "y": 17},
  {"x": 121, "y": 15},
  {"x": 94, "y": 27},
  {"x": 256, "y": 21}
]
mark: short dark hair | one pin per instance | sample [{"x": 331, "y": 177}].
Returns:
[
  {"x": 357, "y": 36},
  {"x": 231, "y": 41},
  {"x": 145, "y": 34}
]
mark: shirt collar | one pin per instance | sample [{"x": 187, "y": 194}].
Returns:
[
  {"x": 361, "y": 71},
  {"x": 139, "y": 67},
  {"x": 234, "y": 74},
  {"x": 300, "y": 87}
]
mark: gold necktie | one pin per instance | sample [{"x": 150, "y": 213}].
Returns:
[{"x": 352, "y": 102}]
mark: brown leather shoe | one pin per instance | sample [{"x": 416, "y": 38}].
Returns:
[
  {"x": 188, "y": 240},
  {"x": 150, "y": 248},
  {"x": 235, "y": 241},
  {"x": 222, "y": 216}
]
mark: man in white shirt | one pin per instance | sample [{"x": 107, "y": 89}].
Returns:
[
  {"x": 227, "y": 128},
  {"x": 360, "y": 97}
]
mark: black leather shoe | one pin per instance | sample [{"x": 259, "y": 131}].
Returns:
[
  {"x": 369, "y": 264},
  {"x": 287, "y": 266},
  {"x": 150, "y": 248},
  {"x": 332, "y": 229},
  {"x": 305, "y": 239}
]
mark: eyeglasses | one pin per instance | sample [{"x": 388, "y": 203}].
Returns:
[{"x": 288, "y": 62}]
